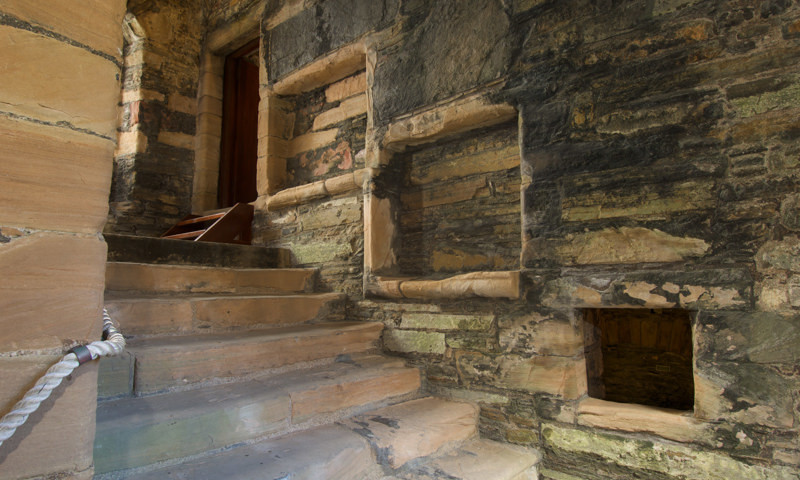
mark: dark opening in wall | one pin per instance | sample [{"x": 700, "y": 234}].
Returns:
[{"x": 640, "y": 356}]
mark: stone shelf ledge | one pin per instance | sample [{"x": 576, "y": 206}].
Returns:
[
  {"x": 677, "y": 425},
  {"x": 314, "y": 191},
  {"x": 475, "y": 284},
  {"x": 335, "y": 66}
]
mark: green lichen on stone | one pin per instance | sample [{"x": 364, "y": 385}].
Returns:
[
  {"x": 788, "y": 97},
  {"x": 522, "y": 436},
  {"x": 547, "y": 474},
  {"x": 320, "y": 252},
  {"x": 674, "y": 460},
  {"x": 412, "y": 341},
  {"x": 446, "y": 321}
]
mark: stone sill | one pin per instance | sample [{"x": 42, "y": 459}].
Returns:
[
  {"x": 677, "y": 425},
  {"x": 475, "y": 284},
  {"x": 313, "y": 191}
]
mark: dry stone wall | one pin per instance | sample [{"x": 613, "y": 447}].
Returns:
[{"x": 658, "y": 165}]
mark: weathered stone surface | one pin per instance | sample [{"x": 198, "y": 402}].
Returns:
[
  {"x": 418, "y": 428},
  {"x": 352, "y": 107},
  {"x": 96, "y": 26},
  {"x": 478, "y": 284},
  {"x": 59, "y": 434},
  {"x": 433, "y": 321},
  {"x": 313, "y": 191},
  {"x": 670, "y": 459},
  {"x": 628, "y": 245},
  {"x": 432, "y": 56},
  {"x": 349, "y": 87},
  {"x": 167, "y": 362},
  {"x": 53, "y": 96},
  {"x": 152, "y": 278},
  {"x": 561, "y": 376},
  {"x": 484, "y": 459},
  {"x": 115, "y": 376},
  {"x": 324, "y": 452},
  {"x": 412, "y": 341},
  {"x": 37, "y": 195},
  {"x": 295, "y": 43},
  {"x": 672, "y": 424},
  {"x": 53, "y": 284}
]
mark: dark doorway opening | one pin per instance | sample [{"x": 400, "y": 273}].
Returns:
[
  {"x": 640, "y": 355},
  {"x": 239, "y": 149}
]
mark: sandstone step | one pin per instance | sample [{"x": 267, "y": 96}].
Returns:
[
  {"x": 127, "y": 248},
  {"x": 415, "y": 429},
  {"x": 323, "y": 453},
  {"x": 167, "y": 362},
  {"x": 141, "y": 431},
  {"x": 150, "y": 278},
  {"x": 479, "y": 459},
  {"x": 180, "y": 314}
]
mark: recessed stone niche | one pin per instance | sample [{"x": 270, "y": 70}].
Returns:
[
  {"x": 443, "y": 214},
  {"x": 312, "y": 130},
  {"x": 641, "y": 356}
]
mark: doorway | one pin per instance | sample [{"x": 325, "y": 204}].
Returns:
[{"x": 239, "y": 148}]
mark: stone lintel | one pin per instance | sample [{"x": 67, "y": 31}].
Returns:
[
  {"x": 326, "y": 70},
  {"x": 312, "y": 191},
  {"x": 675, "y": 425},
  {"x": 456, "y": 117},
  {"x": 474, "y": 284}
]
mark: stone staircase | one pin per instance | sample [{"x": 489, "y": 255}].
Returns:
[{"x": 250, "y": 374}]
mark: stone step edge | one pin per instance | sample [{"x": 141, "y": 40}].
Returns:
[{"x": 342, "y": 383}]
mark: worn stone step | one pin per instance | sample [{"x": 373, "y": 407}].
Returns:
[
  {"x": 479, "y": 459},
  {"x": 323, "y": 453},
  {"x": 181, "y": 314},
  {"x": 168, "y": 362},
  {"x": 140, "y": 431},
  {"x": 415, "y": 429},
  {"x": 153, "y": 278}
]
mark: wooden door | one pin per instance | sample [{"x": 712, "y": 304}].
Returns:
[{"x": 238, "y": 153}]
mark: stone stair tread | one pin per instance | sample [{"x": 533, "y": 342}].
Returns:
[
  {"x": 172, "y": 361},
  {"x": 329, "y": 452},
  {"x": 137, "y": 431},
  {"x": 144, "y": 277},
  {"x": 159, "y": 314},
  {"x": 415, "y": 429},
  {"x": 480, "y": 459}
]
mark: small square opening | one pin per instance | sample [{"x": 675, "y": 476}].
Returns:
[{"x": 641, "y": 356}]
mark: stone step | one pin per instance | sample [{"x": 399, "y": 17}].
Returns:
[
  {"x": 168, "y": 362},
  {"x": 127, "y": 248},
  {"x": 415, "y": 429},
  {"x": 323, "y": 453},
  {"x": 150, "y": 278},
  {"x": 182, "y": 314},
  {"x": 140, "y": 431},
  {"x": 478, "y": 459}
]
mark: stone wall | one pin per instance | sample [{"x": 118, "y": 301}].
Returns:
[
  {"x": 60, "y": 87},
  {"x": 154, "y": 161},
  {"x": 658, "y": 168}
]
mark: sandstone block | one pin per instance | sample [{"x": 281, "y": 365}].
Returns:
[
  {"x": 60, "y": 433},
  {"x": 379, "y": 234},
  {"x": 629, "y": 245},
  {"x": 328, "y": 69},
  {"x": 484, "y": 459},
  {"x": 35, "y": 193},
  {"x": 351, "y": 86},
  {"x": 53, "y": 284},
  {"x": 672, "y": 424},
  {"x": 176, "y": 139},
  {"x": 96, "y": 23},
  {"x": 311, "y": 141},
  {"x": 561, "y": 376},
  {"x": 67, "y": 76},
  {"x": 352, "y": 107},
  {"x": 417, "y": 428}
]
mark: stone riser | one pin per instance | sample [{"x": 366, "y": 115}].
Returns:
[
  {"x": 166, "y": 362},
  {"x": 136, "y": 432},
  {"x": 149, "y": 278},
  {"x": 170, "y": 315},
  {"x": 349, "y": 452}
]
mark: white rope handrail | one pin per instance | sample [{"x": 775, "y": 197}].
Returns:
[{"x": 113, "y": 344}]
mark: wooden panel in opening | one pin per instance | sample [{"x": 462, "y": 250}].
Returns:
[{"x": 239, "y": 150}]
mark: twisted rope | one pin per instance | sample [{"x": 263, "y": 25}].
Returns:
[{"x": 113, "y": 344}]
